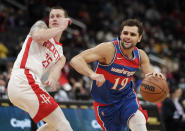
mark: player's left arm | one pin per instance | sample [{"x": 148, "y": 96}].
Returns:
[
  {"x": 55, "y": 72},
  {"x": 146, "y": 67}
]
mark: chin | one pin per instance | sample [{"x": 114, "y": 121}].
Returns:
[{"x": 127, "y": 47}]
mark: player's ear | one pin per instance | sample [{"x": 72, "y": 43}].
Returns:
[{"x": 140, "y": 37}]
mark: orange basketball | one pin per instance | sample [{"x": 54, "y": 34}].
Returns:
[{"x": 154, "y": 89}]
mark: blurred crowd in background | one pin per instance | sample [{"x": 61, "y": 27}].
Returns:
[{"x": 96, "y": 21}]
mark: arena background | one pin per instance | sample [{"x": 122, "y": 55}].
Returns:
[{"x": 94, "y": 21}]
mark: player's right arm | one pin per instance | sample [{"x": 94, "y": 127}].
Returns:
[
  {"x": 98, "y": 53},
  {"x": 40, "y": 32}
]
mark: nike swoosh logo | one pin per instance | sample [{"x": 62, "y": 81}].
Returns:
[{"x": 119, "y": 58}]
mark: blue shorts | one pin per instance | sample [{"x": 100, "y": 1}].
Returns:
[{"x": 114, "y": 117}]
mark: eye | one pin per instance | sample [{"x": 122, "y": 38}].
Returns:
[
  {"x": 133, "y": 34},
  {"x": 58, "y": 16},
  {"x": 51, "y": 16},
  {"x": 125, "y": 33}
]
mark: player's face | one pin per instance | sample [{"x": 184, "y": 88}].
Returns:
[
  {"x": 56, "y": 15},
  {"x": 129, "y": 37}
]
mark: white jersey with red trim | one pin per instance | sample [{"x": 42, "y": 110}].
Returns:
[{"x": 38, "y": 57}]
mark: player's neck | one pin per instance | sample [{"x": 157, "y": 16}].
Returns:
[
  {"x": 57, "y": 38},
  {"x": 127, "y": 52}
]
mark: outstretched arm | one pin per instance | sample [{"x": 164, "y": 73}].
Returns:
[
  {"x": 80, "y": 62},
  {"x": 146, "y": 67},
  {"x": 40, "y": 32}
]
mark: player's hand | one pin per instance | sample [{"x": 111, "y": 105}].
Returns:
[
  {"x": 52, "y": 83},
  {"x": 156, "y": 74},
  {"x": 64, "y": 23},
  {"x": 69, "y": 21},
  {"x": 99, "y": 78}
]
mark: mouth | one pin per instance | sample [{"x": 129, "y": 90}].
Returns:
[
  {"x": 54, "y": 24},
  {"x": 127, "y": 43}
]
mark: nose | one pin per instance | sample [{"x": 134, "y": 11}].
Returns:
[
  {"x": 54, "y": 19},
  {"x": 128, "y": 36}
]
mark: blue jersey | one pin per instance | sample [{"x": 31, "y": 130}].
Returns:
[{"x": 118, "y": 75}]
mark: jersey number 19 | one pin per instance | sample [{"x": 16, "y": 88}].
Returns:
[{"x": 123, "y": 83}]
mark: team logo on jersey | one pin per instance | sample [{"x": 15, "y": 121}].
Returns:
[
  {"x": 51, "y": 47},
  {"x": 51, "y": 54},
  {"x": 45, "y": 99},
  {"x": 122, "y": 71}
]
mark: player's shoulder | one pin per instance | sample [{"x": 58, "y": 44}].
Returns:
[
  {"x": 102, "y": 49},
  {"x": 106, "y": 43},
  {"x": 142, "y": 52},
  {"x": 38, "y": 25},
  {"x": 40, "y": 22},
  {"x": 106, "y": 49},
  {"x": 143, "y": 55},
  {"x": 106, "y": 46}
]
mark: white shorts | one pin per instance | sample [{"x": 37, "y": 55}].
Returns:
[{"x": 26, "y": 91}]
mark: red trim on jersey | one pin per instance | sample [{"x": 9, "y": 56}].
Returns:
[
  {"x": 116, "y": 42},
  {"x": 135, "y": 48},
  {"x": 26, "y": 51},
  {"x": 110, "y": 77},
  {"x": 58, "y": 43},
  {"x": 46, "y": 103},
  {"x": 99, "y": 104},
  {"x": 98, "y": 117}
]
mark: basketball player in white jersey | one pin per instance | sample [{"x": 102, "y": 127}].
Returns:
[{"x": 40, "y": 52}]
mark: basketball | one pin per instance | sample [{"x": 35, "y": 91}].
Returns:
[{"x": 154, "y": 89}]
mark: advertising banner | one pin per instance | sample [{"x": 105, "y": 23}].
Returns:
[
  {"x": 81, "y": 119},
  {"x": 14, "y": 119}
]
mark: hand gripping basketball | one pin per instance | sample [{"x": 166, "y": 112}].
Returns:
[{"x": 154, "y": 88}]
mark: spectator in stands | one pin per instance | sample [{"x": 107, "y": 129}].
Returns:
[
  {"x": 2, "y": 88},
  {"x": 172, "y": 111},
  {"x": 79, "y": 90},
  {"x": 3, "y": 51}
]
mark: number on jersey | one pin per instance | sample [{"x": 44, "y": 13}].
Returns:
[
  {"x": 48, "y": 60},
  {"x": 123, "y": 83}
]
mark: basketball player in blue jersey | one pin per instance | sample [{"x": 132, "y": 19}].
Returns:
[{"x": 115, "y": 102}]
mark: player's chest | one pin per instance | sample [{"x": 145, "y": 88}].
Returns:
[{"x": 52, "y": 50}]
